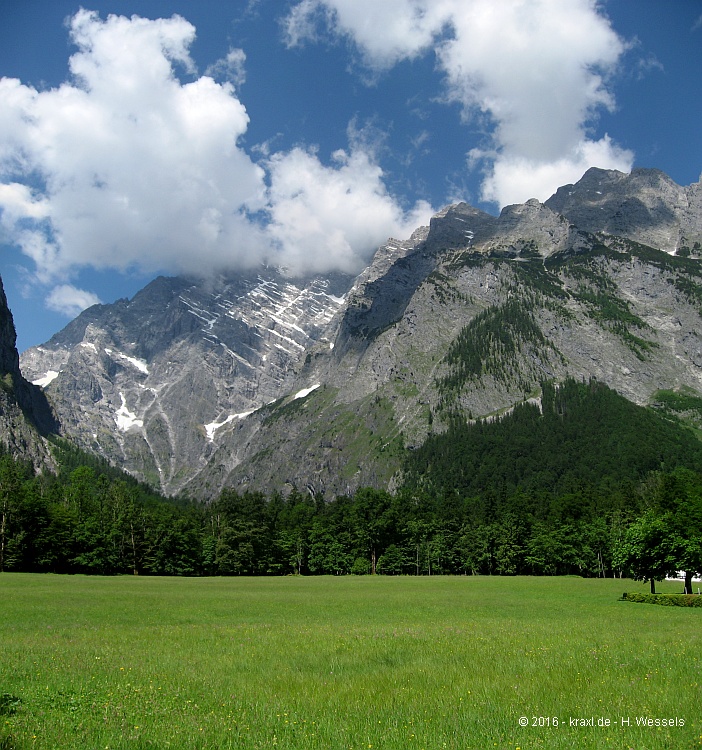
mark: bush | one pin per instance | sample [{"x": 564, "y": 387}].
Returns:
[
  {"x": 666, "y": 600},
  {"x": 360, "y": 567}
]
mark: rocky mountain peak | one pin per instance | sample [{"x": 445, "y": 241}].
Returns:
[
  {"x": 150, "y": 382},
  {"x": 458, "y": 226},
  {"x": 645, "y": 206}
]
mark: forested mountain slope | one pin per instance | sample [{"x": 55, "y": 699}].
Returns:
[{"x": 576, "y": 435}]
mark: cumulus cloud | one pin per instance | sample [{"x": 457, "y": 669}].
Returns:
[
  {"x": 134, "y": 168},
  {"x": 68, "y": 300},
  {"x": 385, "y": 32},
  {"x": 513, "y": 179},
  {"x": 128, "y": 166},
  {"x": 333, "y": 216},
  {"x": 537, "y": 70}
]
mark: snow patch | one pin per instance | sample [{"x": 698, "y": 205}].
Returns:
[
  {"x": 48, "y": 377},
  {"x": 285, "y": 324},
  {"x": 125, "y": 419},
  {"x": 286, "y": 338},
  {"x": 140, "y": 364},
  {"x": 306, "y": 391},
  {"x": 212, "y": 427}
]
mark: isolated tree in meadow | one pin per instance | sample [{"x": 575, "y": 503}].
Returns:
[
  {"x": 690, "y": 560},
  {"x": 679, "y": 494},
  {"x": 650, "y": 549}
]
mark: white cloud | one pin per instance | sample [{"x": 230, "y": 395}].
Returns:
[
  {"x": 137, "y": 168},
  {"x": 130, "y": 167},
  {"x": 537, "y": 69},
  {"x": 68, "y": 300},
  {"x": 302, "y": 23},
  {"x": 513, "y": 179},
  {"x": 230, "y": 68},
  {"x": 328, "y": 217},
  {"x": 385, "y": 32},
  {"x": 18, "y": 202}
]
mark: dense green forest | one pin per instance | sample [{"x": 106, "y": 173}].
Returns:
[
  {"x": 568, "y": 487},
  {"x": 580, "y": 435}
]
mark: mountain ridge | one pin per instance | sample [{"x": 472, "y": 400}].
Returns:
[{"x": 322, "y": 385}]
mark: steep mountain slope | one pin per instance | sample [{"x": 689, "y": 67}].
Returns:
[
  {"x": 582, "y": 434},
  {"x": 262, "y": 382},
  {"x": 148, "y": 383},
  {"x": 25, "y": 416},
  {"x": 466, "y": 320}
]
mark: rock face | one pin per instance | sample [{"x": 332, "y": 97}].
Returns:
[
  {"x": 25, "y": 416},
  {"x": 261, "y": 382},
  {"x": 646, "y": 206},
  {"x": 149, "y": 383}
]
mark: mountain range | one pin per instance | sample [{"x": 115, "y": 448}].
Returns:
[{"x": 258, "y": 380}]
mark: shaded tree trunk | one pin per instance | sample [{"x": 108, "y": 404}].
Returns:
[
  {"x": 3, "y": 525},
  {"x": 134, "y": 553}
]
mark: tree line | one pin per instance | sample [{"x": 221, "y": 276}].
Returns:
[
  {"x": 586, "y": 484},
  {"x": 87, "y": 522}
]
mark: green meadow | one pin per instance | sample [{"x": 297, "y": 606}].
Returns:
[{"x": 344, "y": 663}]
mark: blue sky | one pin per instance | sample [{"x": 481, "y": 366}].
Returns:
[{"x": 140, "y": 137}]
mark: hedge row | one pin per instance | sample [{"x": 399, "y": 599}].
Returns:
[{"x": 667, "y": 600}]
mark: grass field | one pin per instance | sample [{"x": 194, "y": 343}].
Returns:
[{"x": 341, "y": 663}]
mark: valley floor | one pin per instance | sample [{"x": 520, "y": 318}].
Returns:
[{"x": 344, "y": 662}]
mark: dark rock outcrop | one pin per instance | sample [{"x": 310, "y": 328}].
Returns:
[{"x": 26, "y": 418}]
